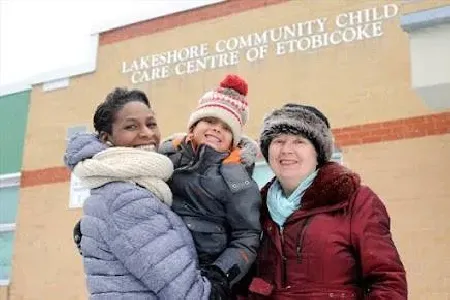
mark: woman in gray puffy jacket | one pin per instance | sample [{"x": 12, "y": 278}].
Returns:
[{"x": 134, "y": 246}]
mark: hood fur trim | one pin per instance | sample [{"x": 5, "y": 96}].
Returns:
[
  {"x": 333, "y": 184},
  {"x": 249, "y": 151},
  {"x": 248, "y": 148}
]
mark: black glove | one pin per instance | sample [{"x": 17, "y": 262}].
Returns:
[
  {"x": 77, "y": 236},
  {"x": 220, "y": 287},
  {"x": 241, "y": 287}
]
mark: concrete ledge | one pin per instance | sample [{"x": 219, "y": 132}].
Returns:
[
  {"x": 425, "y": 18},
  {"x": 7, "y": 227},
  {"x": 10, "y": 179}
]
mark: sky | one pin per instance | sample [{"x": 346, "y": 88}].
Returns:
[{"x": 38, "y": 36}]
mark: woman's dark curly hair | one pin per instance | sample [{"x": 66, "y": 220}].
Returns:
[{"x": 106, "y": 111}]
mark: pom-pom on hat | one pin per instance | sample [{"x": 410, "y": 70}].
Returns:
[
  {"x": 297, "y": 119},
  {"x": 228, "y": 103}
]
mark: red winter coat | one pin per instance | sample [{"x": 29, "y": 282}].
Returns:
[{"x": 337, "y": 246}]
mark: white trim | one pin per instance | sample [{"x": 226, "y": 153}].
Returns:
[
  {"x": 7, "y": 227},
  {"x": 10, "y": 179},
  {"x": 4, "y": 282},
  {"x": 55, "y": 84},
  {"x": 9, "y": 89},
  {"x": 425, "y": 18}
]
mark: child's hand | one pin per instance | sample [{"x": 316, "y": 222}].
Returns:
[{"x": 220, "y": 287}]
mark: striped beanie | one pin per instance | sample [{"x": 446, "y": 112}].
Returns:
[{"x": 228, "y": 103}]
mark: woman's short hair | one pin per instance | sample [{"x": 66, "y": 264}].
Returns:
[{"x": 115, "y": 101}]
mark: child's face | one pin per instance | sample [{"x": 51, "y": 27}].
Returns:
[
  {"x": 134, "y": 125},
  {"x": 213, "y": 132}
]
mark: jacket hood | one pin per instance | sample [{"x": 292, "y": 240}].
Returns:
[
  {"x": 82, "y": 146},
  {"x": 248, "y": 148},
  {"x": 249, "y": 151},
  {"x": 334, "y": 184}
]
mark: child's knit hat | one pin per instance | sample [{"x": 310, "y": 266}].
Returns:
[
  {"x": 228, "y": 102},
  {"x": 303, "y": 120}
]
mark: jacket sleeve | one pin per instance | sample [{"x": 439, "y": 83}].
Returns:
[
  {"x": 242, "y": 208},
  {"x": 383, "y": 272},
  {"x": 156, "y": 248}
]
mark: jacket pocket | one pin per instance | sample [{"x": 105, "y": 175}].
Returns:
[
  {"x": 209, "y": 237},
  {"x": 267, "y": 258}
]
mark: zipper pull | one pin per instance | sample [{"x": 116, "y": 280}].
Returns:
[{"x": 298, "y": 251}]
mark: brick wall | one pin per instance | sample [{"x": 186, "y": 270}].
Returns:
[
  {"x": 434, "y": 124},
  {"x": 182, "y": 18}
]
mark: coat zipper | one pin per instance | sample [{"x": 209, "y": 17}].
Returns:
[
  {"x": 299, "y": 246},
  {"x": 283, "y": 260},
  {"x": 300, "y": 239}
]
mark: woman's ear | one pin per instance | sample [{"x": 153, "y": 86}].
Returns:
[{"x": 103, "y": 137}]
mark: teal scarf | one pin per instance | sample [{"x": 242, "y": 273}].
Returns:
[{"x": 280, "y": 207}]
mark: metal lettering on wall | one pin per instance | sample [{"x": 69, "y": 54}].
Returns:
[{"x": 303, "y": 36}]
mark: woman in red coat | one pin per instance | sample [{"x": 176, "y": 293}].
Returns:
[{"x": 326, "y": 236}]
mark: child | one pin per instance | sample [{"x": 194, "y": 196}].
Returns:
[
  {"x": 134, "y": 246},
  {"x": 212, "y": 190}
]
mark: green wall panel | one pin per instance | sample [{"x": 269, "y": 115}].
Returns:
[{"x": 13, "y": 123}]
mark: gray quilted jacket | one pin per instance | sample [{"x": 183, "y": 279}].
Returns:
[{"x": 134, "y": 247}]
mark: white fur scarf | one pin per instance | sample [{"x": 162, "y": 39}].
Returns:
[{"x": 147, "y": 169}]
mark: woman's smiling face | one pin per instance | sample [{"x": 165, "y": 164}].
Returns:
[
  {"x": 134, "y": 125},
  {"x": 292, "y": 158}
]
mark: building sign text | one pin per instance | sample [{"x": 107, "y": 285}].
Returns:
[{"x": 304, "y": 36}]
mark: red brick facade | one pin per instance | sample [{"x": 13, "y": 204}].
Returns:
[
  {"x": 182, "y": 18},
  {"x": 419, "y": 126}
]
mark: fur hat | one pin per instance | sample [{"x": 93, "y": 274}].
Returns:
[
  {"x": 298, "y": 119},
  {"x": 228, "y": 103}
]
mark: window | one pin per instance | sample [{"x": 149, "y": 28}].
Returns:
[
  {"x": 9, "y": 199},
  {"x": 262, "y": 173},
  {"x": 337, "y": 155},
  {"x": 6, "y": 249}
]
